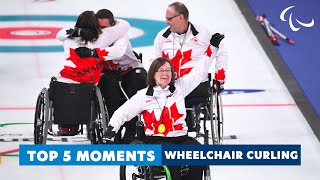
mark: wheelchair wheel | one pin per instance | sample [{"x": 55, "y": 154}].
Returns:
[
  {"x": 141, "y": 172},
  {"x": 96, "y": 133},
  {"x": 94, "y": 122},
  {"x": 100, "y": 119},
  {"x": 144, "y": 172},
  {"x": 133, "y": 172},
  {"x": 91, "y": 133},
  {"x": 41, "y": 118},
  {"x": 216, "y": 117}
]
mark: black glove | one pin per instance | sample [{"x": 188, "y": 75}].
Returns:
[
  {"x": 74, "y": 32},
  {"x": 216, "y": 39},
  {"x": 69, "y": 31},
  {"x": 218, "y": 86},
  {"x": 84, "y": 52},
  {"x": 138, "y": 56},
  {"x": 108, "y": 135},
  {"x": 81, "y": 32}
]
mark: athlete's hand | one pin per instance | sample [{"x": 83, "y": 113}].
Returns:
[
  {"x": 108, "y": 135},
  {"x": 216, "y": 39},
  {"x": 81, "y": 32},
  {"x": 84, "y": 52},
  {"x": 218, "y": 86}
]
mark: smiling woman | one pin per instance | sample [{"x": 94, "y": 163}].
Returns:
[{"x": 161, "y": 74}]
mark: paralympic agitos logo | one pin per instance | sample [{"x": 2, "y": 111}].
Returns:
[{"x": 293, "y": 27}]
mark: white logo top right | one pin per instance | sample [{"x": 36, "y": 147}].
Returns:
[{"x": 293, "y": 28}]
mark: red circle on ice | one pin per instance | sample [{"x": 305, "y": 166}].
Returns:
[{"x": 29, "y": 33}]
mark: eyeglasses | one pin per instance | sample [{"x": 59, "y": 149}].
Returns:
[
  {"x": 170, "y": 18},
  {"x": 162, "y": 71}
]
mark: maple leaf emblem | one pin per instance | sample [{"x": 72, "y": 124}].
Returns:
[
  {"x": 169, "y": 117},
  {"x": 180, "y": 57},
  {"x": 149, "y": 118},
  {"x": 84, "y": 69},
  {"x": 220, "y": 74},
  {"x": 74, "y": 56},
  {"x": 102, "y": 53}
]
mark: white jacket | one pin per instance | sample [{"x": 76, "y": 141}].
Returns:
[
  {"x": 126, "y": 60},
  {"x": 115, "y": 41},
  {"x": 107, "y": 38},
  {"x": 151, "y": 102},
  {"x": 83, "y": 70},
  {"x": 187, "y": 49}
]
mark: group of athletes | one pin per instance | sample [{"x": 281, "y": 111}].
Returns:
[{"x": 98, "y": 50}]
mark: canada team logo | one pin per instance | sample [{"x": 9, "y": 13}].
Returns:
[{"x": 294, "y": 28}]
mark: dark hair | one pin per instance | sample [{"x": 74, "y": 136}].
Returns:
[
  {"x": 181, "y": 9},
  {"x": 106, "y": 14},
  {"x": 154, "y": 67},
  {"x": 87, "y": 20}
]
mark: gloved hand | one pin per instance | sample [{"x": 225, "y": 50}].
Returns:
[
  {"x": 216, "y": 39},
  {"x": 74, "y": 32},
  {"x": 138, "y": 56},
  {"x": 218, "y": 86},
  {"x": 81, "y": 32},
  {"x": 69, "y": 32},
  {"x": 84, "y": 52},
  {"x": 108, "y": 135}
]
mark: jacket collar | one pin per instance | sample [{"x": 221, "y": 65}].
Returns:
[
  {"x": 190, "y": 28},
  {"x": 152, "y": 89}
]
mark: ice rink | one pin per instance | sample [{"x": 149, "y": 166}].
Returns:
[{"x": 258, "y": 108}]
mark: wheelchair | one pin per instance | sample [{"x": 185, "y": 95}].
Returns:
[
  {"x": 124, "y": 96},
  {"x": 147, "y": 172},
  {"x": 70, "y": 104},
  {"x": 209, "y": 110},
  {"x": 153, "y": 172}
]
